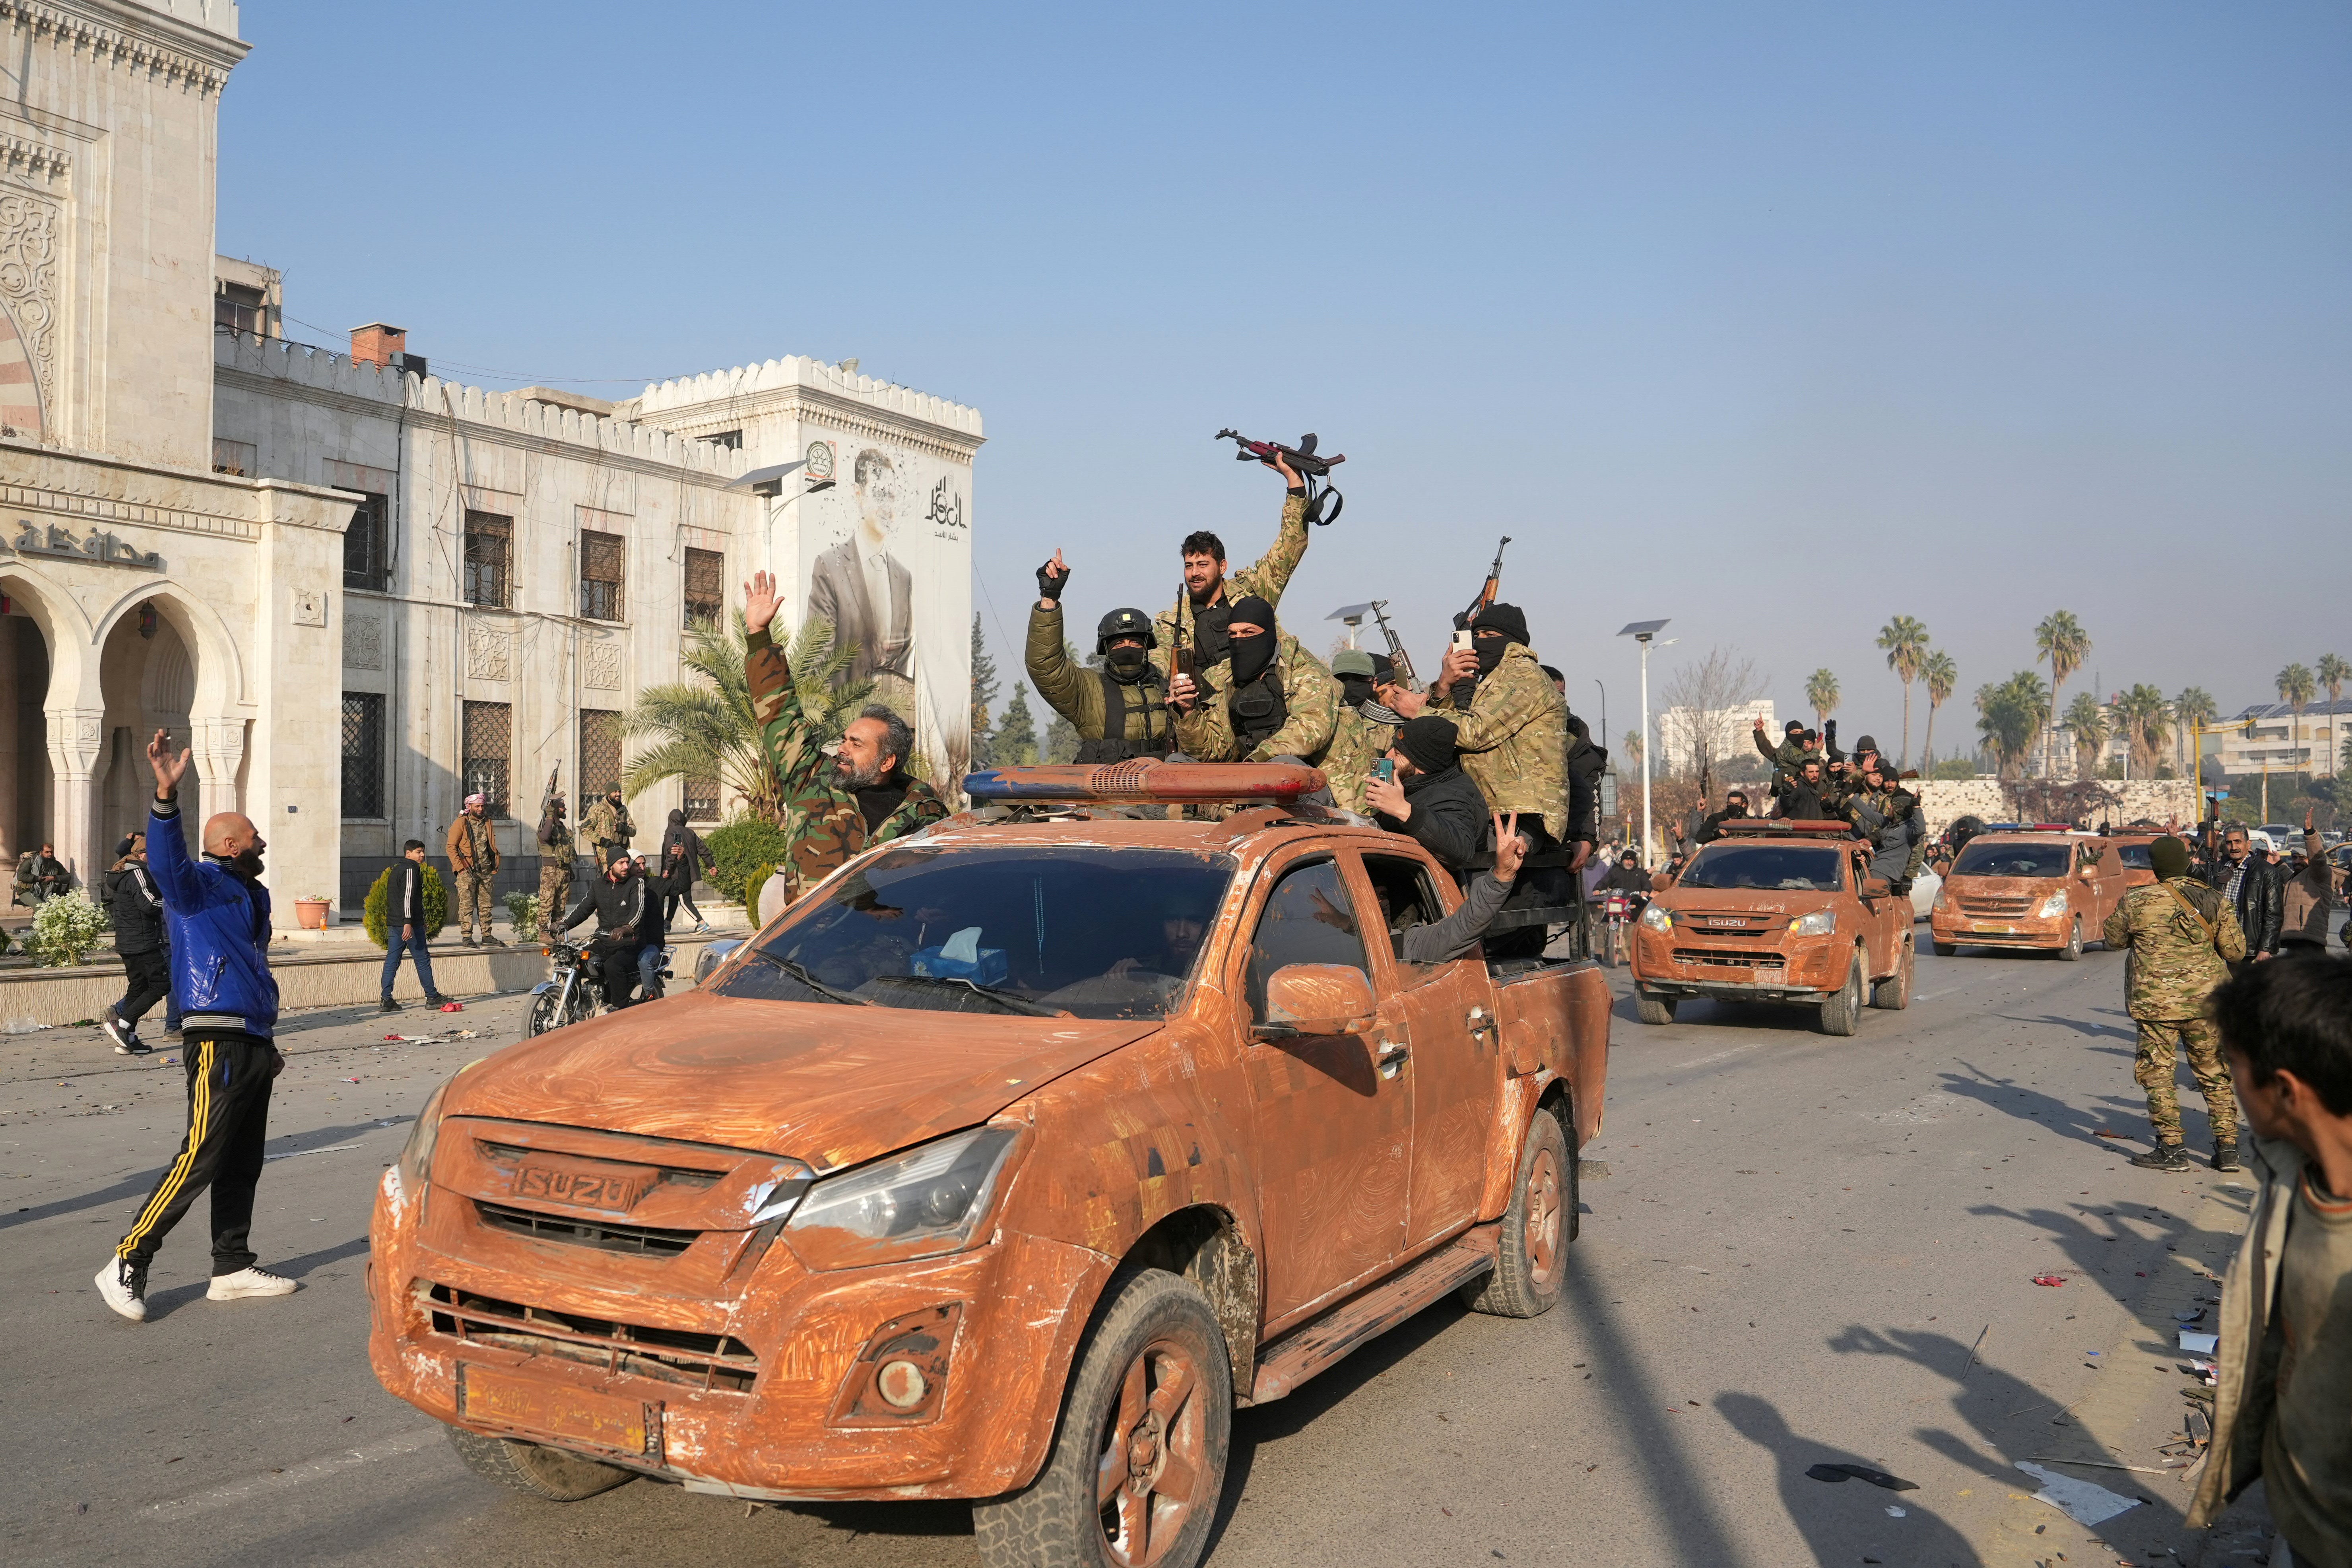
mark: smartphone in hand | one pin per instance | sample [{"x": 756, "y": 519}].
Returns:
[{"x": 1384, "y": 769}]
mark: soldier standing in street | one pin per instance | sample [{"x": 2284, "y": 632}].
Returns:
[
  {"x": 556, "y": 857},
  {"x": 2183, "y": 936},
  {"x": 1120, "y": 711},
  {"x": 473, "y": 857},
  {"x": 834, "y": 807},
  {"x": 1198, "y": 621},
  {"x": 607, "y": 827}
]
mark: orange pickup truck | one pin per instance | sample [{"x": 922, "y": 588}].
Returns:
[
  {"x": 1776, "y": 912},
  {"x": 2040, "y": 888},
  {"x": 1003, "y": 1165}
]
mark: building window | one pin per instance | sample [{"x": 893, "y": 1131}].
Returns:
[
  {"x": 701, "y": 799},
  {"x": 599, "y": 751},
  {"x": 237, "y": 307},
  {"x": 600, "y": 561},
  {"x": 489, "y": 749},
  {"x": 362, "y": 753},
  {"x": 366, "y": 562},
  {"x": 238, "y": 458},
  {"x": 490, "y": 559},
  {"x": 706, "y": 587},
  {"x": 731, "y": 440}
]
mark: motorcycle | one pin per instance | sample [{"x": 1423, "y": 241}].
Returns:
[
  {"x": 574, "y": 992},
  {"x": 1616, "y": 910}
]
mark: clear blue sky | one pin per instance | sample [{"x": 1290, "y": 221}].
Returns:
[{"x": 1774, "y": 320}]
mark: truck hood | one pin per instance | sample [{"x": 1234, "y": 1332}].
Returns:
[
  {"x": 1763, "y": 908},
  {"x": 831, "y": 1085},
  {"x": 2035, "y": 889}
]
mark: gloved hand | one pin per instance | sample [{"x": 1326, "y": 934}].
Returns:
[
  {"x": 1051, "y": 578},
  {"x": 1829, "y": 733}
]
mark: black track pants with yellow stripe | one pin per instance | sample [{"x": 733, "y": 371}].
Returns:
[{"x": 229, "y": 1121}]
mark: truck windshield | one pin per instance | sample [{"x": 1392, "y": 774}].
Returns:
[
  {"x": 2134, "y": 856},
  {"x": 1091, "y": 930},
  {"x": 2048, "y": 858},
  {"x": 1780, "y": 868}
]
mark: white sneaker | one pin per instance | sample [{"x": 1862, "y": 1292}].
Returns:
[
  {"x": 122, "y": 1286},
  {"x": 248, "y": 1283}
]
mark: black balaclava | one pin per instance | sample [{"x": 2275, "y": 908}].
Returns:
[
  {"x": 1126, "y": 664},
  {"x": 1252, "y": 655},
  {"x": 1427, "y": 742},
  {"x": 1508, "y": 619}
]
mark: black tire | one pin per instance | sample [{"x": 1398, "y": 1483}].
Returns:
[
  {"x": 535, "y": 1471},
  {"x": 1894, "y": 993},
  {"x": 2072, "y": 951},
  {"x": 542, "y": 1014},
  {"x": 1944, "y": 949},
  {"x": 1531, "y": 1263},
  {"x": 1149, "y": 1321},
  {"x": 1842, "y": 1014},
  {"x": 1654, "y": 1009},
  {"x": 1611, "y": 951}
]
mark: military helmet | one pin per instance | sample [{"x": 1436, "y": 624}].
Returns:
[{"x": 1124, "y": 624}]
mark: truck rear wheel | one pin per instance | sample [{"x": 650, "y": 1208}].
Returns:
[
  {"x": 535, "y": 1471},
  {"x": 1945, "y": 949},
  {"x": 1138, "y": 1460},
  {"x": 1894, "y": 993},
  {"x": 1532, "y": 1260},
  {"x": 1842, "y": 1014},
  {"x": 1654, "y": 1009}
]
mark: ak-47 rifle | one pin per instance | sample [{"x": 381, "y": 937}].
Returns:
[
  {"x": 1180, "y": 654},
  {"x": 1493, "y": 585},
  {"x": 1313, "y": 470},
  {"x": 547, "y": 796},
  {"x": 1400, "y": 661}
]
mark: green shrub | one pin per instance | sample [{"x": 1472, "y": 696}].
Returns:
[
  {"x": 65, "y": 929},
  {"x": 752, "y": 886},
  {"x": 744, "y": 848},
  {"x": 522, "y": 910},
  {"x": 377, "y": 912}
]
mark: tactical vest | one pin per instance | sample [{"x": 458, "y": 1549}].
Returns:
[
  {"x": 1112, "y": 745},
  {"x": 1210, "y": 641},
  {"x": 1257, "y": 709}
]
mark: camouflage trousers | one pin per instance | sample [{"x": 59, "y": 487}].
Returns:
[
  {"x": 2160, "y": 1041},
  {"x": 474, "y": 903},
  {"x": 555, "y": 893}
]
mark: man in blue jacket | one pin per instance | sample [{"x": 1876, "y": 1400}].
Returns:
[{"x": 218, "y": 915}]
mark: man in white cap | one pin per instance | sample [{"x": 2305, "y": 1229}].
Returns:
[{"x": 473, "y": 857}]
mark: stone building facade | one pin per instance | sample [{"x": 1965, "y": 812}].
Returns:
[{"x": 356, "y": 590}]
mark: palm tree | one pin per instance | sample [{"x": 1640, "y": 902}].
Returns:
[
  {"x": 2009, "y": 717},
  {"x": 2144, "y": 714},
  {"x": 704, "y": 726},
  {"x": 1822, "y": 694},
  {"x": 1942, "y": 676},
  {"x": 2333, "y": 672},
  {"x": 2193, "y": 707},
  {"x": 2088, "y": 720},
  {"x": 2062, "y": 641},
  {"x": 1905, "y": 642},
  {"x": 2295, "y": 689}
]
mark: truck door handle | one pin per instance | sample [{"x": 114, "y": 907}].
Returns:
[{"x": 1393, "y": 1059}]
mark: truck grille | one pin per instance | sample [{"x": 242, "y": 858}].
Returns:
[
  {"x": 719, "y": 1361},
  {"x": 1728, "y": 958},
  {"x": 2005, "y": 907},
  {"x": 637, "y": 1239}
]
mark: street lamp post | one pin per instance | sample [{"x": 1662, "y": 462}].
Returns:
[{"x": 1644, "y": 633}]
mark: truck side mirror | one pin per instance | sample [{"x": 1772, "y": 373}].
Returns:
[
  {"x": 1875, "y": 888},
  {"x": 1319, "y": 999}
]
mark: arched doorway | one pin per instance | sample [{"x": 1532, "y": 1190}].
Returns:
[
  {"x": 27, "y": 793},
  {"x": 147, "y": 679}
]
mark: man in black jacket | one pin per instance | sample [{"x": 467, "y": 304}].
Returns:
[
  {"x": 139, "y": 940},
  {"x": 684, "y": 857},
  {"x": 407, "y": 931},
  {"x": 1803, "y": 797},
  {"x": 617, "y": 900},
  {"x": 2254, "y": 887},
  {"x": 1734, "y": 808},
  {"x": 1431, "y": 799}
]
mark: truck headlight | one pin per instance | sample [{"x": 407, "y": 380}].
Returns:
[
  {"x": 415, "y": 1165},
  {"x": 1943, "y": 900},
  {"x": 2053, "y": 906},
  {"x": 1657, "y": 919},
  {"x": 1820, "y": 922},
  {"x": 915, "y": 1205}
]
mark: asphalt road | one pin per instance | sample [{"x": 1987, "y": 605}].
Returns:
[{"x": 1801, "y": 1245}]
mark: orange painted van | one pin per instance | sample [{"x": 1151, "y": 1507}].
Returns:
[
  {"x": 2045, "y": 889},
  {"x": 1005, "y": 1165}
]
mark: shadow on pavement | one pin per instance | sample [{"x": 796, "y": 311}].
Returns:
[
  {"x": 2090, "y": 1246},
  {"x": 139, "y": 1183},
  {"x": 162, "y": 1304},
  {"x": 2078, "y": 1123},
  {"x": 1849, "y": 1519}
]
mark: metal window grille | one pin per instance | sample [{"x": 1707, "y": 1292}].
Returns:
[
  {"x": 706, "y": 587},
  {"x": 362, "y": 753},
  {"x": 601, "y": 556},
  {"x": 241, "y": 458},
  {"x": 701, "y": 799},
  {"x": 490, "y": 754},
  {"x": 365, "y": 557},
  {"x": 490, "y": 559},
  {"x": 599, "y": 751}
]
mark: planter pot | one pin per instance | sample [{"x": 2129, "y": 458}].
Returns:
[{"x": 310, "y": 915}]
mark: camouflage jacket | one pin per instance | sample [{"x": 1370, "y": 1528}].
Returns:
[
  {"x": 1076, "y": 693},
  {"x": 1890, "y": 819},
  {"x": 1267, "y": 579},
  {"x": 1514, "y": 740},
  {"x": 823, "y": 826},
  {"x": 2177, "y": 958},
  {"x": 1356, "y": 745},
  {"x": 604, "y": 823},
  {"x": 1788, "y": 758},
  {"x": 1310, "y": 696}
]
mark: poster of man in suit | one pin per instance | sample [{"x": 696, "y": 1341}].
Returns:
[{"x": 866, "y": 591}]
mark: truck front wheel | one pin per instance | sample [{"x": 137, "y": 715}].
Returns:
[
  {"x": 534, "y": 1471},
  {"x": 1654, "y": 1009},
  {"x": 1843, "y": 1013},
  {"x": 1138, "y": 1460},
  {"x": 1531, "y": 1261}
]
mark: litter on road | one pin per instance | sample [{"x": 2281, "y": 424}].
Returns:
[
  {"x": 2085, "y": 1502},
  {"x": 2200, "y": 1344},
  {"x": 2049, "y": 1279}
]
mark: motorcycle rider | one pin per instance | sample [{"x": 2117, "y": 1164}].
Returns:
[{"x": 617, "y": 900}]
